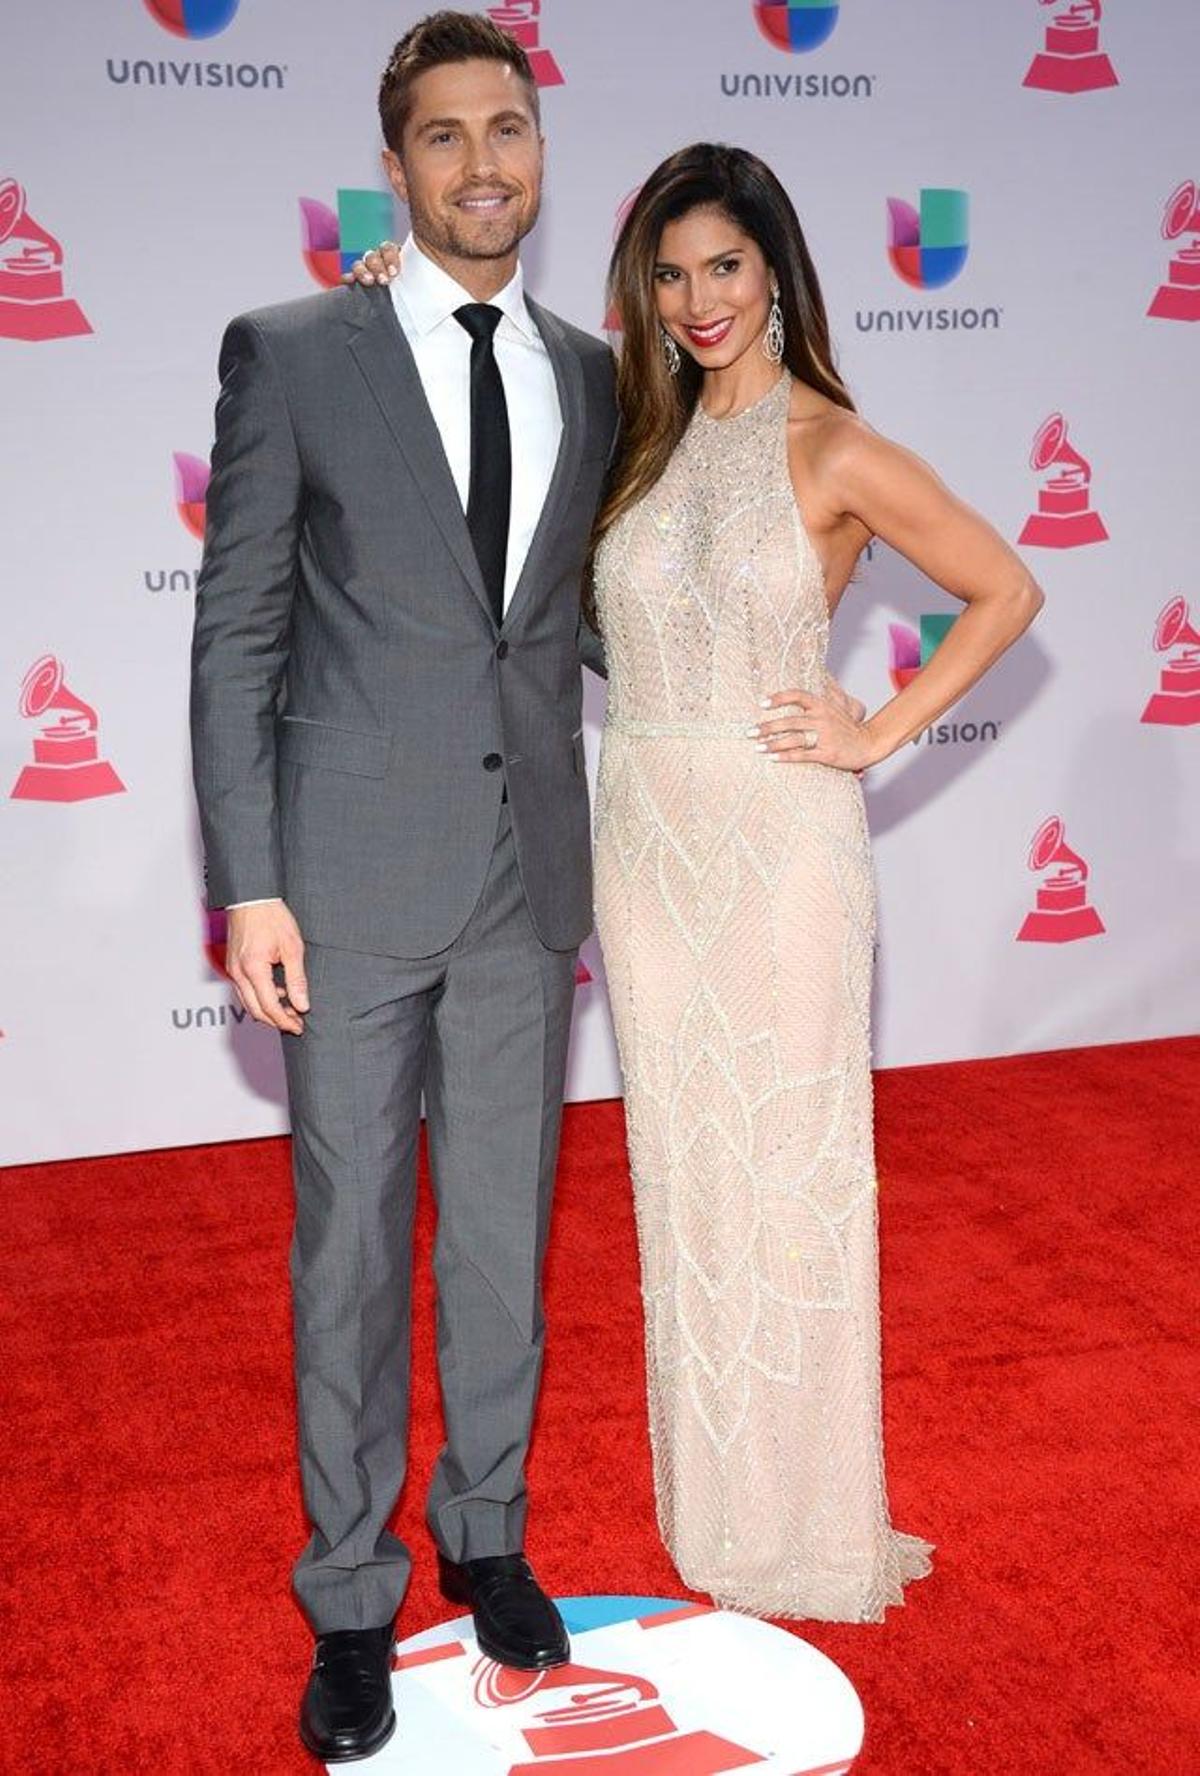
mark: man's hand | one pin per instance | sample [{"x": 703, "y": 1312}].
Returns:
[
  {"x": 259, "y": 938},
  {"x": 379, "y": 266}
]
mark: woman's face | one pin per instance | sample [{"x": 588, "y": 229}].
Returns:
[{"x": 713, "y": 287}]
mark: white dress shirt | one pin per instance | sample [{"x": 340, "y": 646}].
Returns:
[{"x": 426, "y": 298}]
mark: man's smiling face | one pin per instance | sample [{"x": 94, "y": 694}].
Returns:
[{"x": 471, "y": 167}]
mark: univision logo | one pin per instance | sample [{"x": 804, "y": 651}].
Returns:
[
  {"x": 207, "y": 1017},
  {"x": 927, "y": 246},
  {"x": 247, "y": 75},
  {"x": 796, "y": 27},
  {"x": 192, "y": 476},
  {"x": 194, "y": 20},
  {"x": 191, "y": 497},
  {"x": 333, "y": 240},
  {"x": 908, "y": 651}
]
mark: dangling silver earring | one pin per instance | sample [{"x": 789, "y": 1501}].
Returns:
[
  {"x": 773, "y": 338},
  {"x": 670, "y": 352}
]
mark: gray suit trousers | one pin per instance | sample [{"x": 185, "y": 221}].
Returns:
[{"x": 481, "y": 1029}]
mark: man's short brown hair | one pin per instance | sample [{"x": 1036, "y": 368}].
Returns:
[{"x": 433, "y": 42}]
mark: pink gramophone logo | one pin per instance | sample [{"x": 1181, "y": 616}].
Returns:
[
  {"x": 1062, "y": 913},
  {"x": 1064, "y": 518},
  {"x": 67, "y": 766},
  {"x": 32, "y": 303},
  {"x": 520, "y": 19},
  {"x": 580, "y": 1718},
  {"x": 1176, "y": 702},
  {"x": 191, "y": 491},
  {"x": 1072, "y": 60},
  {"x": 1179, "y": 298}
]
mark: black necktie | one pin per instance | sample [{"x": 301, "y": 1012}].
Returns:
[{"x": 491, "y": 452}]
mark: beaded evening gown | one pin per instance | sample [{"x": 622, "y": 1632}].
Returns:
[{"x": 735, "y": 906}]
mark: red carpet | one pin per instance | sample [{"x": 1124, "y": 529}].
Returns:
[{"x": 1040, "y": 1256}]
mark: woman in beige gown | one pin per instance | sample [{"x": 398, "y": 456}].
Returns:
[{"x": 735, "y": 899}]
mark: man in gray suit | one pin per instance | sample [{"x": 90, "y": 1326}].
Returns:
[{"x": 386, "y": 733}]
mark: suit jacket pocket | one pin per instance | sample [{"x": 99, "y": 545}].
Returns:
[{"x": 304, "y": 742}]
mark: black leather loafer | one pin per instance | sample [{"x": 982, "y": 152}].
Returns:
[
  {"x": 347, "y": 1708},
  {"x": 515, "y": 1622}
]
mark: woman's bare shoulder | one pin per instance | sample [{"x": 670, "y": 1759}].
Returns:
[
  {"x": 843, "y": 451},
  {"x": 822, "y": 425},
  {"x": 832, "y": 442}
]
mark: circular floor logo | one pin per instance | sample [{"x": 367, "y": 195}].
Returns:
[{"x": 654, "y": 1688}]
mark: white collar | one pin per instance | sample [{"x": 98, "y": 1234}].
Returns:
[{"x": 431, "y": 295}]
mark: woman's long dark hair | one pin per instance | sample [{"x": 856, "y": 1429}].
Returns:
[{"x": 655, "y": 406}]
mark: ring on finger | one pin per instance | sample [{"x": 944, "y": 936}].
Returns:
[{"x": 808, "y": 739}]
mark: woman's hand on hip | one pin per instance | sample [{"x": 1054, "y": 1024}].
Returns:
[{"x": 816, "y": 730}]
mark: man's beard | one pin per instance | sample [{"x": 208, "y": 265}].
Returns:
[{"x": 496, "y": 240}]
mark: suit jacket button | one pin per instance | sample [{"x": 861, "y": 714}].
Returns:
[
  {"x": 502, "y": 650},
  {"x": 492, "y": 761}
]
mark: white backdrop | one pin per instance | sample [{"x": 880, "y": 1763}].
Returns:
[{"x": 167, "y": 168}]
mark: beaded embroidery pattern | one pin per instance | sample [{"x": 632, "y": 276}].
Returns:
[{"x": 735, "y": 905}]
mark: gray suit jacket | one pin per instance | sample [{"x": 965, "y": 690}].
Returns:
[{"x": 355, "y": 710}]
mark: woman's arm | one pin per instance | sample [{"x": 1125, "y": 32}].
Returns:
[{"x": 900, "y": 499}]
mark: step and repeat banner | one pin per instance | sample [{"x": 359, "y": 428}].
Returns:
[{"x": 1002, "y": 203}]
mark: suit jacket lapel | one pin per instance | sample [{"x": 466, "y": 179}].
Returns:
[
  {"x": 384, "y": 357},
  {"x": 569, "y": 377}
]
